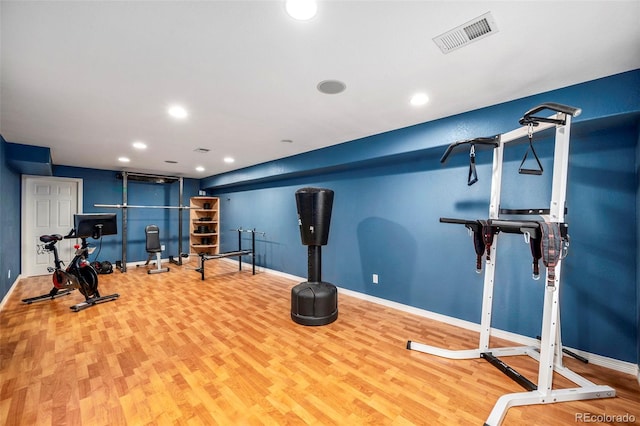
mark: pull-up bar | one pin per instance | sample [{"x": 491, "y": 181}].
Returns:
[
  {"x": 529, "y": 121},
  {"x": 125, "y": 176},
  {"x": 529, "y": 118},
  {"x": 250, "y": 231},
  {"x": 129, "y": 206},
  {"x": 492, "y": 141}
]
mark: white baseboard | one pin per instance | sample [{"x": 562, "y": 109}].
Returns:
[
  {"x": 246, "y": 266},
  {"x": 611, "y": 363},
  {"x": 6, "y": 296},
  {"x": 283, "y": 275}
]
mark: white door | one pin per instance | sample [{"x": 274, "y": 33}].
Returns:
[{"x": 48, "y": 206}]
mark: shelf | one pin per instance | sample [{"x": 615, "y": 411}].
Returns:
[{"x": 196, "y": 213}]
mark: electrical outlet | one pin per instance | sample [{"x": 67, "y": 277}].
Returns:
[
  {"x": 374, "y": 278},
  {"x": 162, "y": 247}
]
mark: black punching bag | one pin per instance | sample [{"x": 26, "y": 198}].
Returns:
[{"x": 314, "y": 302}]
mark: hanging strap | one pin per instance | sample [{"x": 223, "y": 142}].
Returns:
[
  {"x": 482, "y": 241},
  {"x": 478, "y": 245},
  {"x": 493, "y": 142},
  {"x": 551, "y": 248},
  {"x": 488, "y": 231},
  {"x": 524, "y": 171},
  {"x": 482, "y": 231},
  {"x": 473, "y": 175},
  {"x": 536, "y": 252}
]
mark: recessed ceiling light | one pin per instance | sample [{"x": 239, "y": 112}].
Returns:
[
  {"x": 178, "y": 111},
  {"x": 228, "y": 160},
  {"x": 302, "y": 10},
  {"x": 171, "y": 161},
  {"x": 200, "y": 169},
  {"x": 139, "y": 145},
  {"x": 286, "y": 141},
  {"x": 331, "y": 87},
  {"x": 419, "y": 99},
  {"x": 123, "y": 159}
]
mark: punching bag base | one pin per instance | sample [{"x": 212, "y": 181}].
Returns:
[{"x": 314, "y": 303}]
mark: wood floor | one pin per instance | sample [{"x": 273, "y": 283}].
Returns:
[{"x": 176, "y": 350}]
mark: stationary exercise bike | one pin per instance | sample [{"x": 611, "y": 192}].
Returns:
[{"x": 79, "y": 274}]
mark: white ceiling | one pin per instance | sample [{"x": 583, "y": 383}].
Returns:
[{"x": 88, "y": 78}]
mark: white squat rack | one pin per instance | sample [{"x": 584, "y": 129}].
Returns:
[{"x": 549, "y": 353}]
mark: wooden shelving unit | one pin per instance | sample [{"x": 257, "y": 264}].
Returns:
[{"x": 204, "y": 218}]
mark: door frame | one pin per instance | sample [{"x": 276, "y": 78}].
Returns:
[{"x": 25, "y": 199}]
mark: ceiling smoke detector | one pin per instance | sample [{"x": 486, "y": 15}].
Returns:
[{"x": 467, "y": 33}]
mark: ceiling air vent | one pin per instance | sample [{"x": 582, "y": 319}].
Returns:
[{"x": 469, "y": 32}]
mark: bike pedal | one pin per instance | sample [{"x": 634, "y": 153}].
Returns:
[{"x": 50, "y": 269}]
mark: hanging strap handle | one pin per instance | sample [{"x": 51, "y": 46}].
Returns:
[
  {"x": 536, "y": 253},
  {"x": 493, "y": 142},
  {"x": 521, "y": 169},
  {"x": 473, "y": 174},
  {"x": 478, "y": 245}
]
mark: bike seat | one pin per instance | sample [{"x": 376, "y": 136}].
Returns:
[{"x": 50, "y": 238}]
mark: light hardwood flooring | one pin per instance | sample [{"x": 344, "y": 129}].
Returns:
[{"x": 177, "y": 350}]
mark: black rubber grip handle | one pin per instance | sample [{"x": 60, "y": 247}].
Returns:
[
  {"x": 528, "y": 117},
  {"x": 493, "y": 141}
]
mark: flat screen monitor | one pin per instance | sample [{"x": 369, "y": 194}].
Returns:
[{"x": 95, "y": 224}]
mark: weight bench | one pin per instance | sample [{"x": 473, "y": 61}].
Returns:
[
  {"x": 152, "y": 234},
  {"x": 238, "y": 253}
]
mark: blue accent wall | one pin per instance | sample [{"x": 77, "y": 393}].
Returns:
[
  {"x": 103, "y": 187},
  {"x": 29, "y": 159},
  {"x": 391, "y": 190},
  {"x": 9, "y": 223}
]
